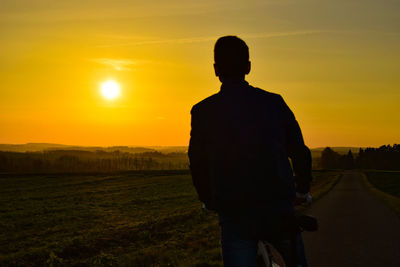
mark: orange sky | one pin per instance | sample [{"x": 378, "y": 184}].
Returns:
[{"x": 336, "y": 63}]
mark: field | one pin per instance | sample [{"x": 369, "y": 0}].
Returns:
[
  {"x": 150, "y": 218},
  {"x": 386, "y": 186},
  {"x": 388, "y": 182}
]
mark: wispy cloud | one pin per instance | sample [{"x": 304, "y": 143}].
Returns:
[
  {"x": 163, "y": 41},
  {"x": 118, "y": 64},
  {"x": 213, "y": 38},
  {"x": 282, "y": 34}
]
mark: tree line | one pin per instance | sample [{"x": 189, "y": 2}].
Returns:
[
  {"x": 385, "y": 157},
  {"x": 87, "y": 161}
]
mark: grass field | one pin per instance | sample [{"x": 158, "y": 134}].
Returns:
[
  {"x": 127, "y": 219},
  {"x": 388, "y": 182},
  {"x": 386, "y": 186}
]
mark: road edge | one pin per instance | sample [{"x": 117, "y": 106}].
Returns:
[
  {"x": 320, "y": 194},
  {"x": 391, "y": 201}
]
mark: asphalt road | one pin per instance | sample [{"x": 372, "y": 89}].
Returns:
[{"x": 355, "y": 228}]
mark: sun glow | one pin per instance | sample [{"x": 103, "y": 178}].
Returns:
[{"x": 110, "y": 89}]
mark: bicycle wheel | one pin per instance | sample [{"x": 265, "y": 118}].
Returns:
[{"x": 268, "y": 256}]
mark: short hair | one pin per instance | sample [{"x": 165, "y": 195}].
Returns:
[{"x": 231, "y": 55}]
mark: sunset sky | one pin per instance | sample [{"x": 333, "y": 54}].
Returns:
[{"x": 336, "y": 63}]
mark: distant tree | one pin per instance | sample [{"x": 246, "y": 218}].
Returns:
[
  {"x": 385, "y": 157},
  {"x": 359, "y": 161},
  {"x": 348, "y": 161},
  {"x": 329, "y": 159}
]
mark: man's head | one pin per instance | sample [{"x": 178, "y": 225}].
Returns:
[{"x": 231, "y": 57}]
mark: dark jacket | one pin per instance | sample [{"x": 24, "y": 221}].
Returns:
[{"x": 241, "y": 140}]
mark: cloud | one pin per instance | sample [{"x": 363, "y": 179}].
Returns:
[
  {"x": 214, "y": 38},
  {"x": 282, "y": 34},
  {"x": 118, "y": 64},
  {"x": 164, "y": 41}
]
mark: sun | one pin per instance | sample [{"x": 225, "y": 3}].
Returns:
[{"x": 110, "y": 89}]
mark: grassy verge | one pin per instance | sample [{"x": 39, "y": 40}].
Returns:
[
  {"x": 386, "y": 186},
  {"x": 323, "y": 182}
]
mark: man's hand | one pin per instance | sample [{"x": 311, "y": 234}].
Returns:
[
  {"x": 299, "y": 200},
  {"x": 204, "y": 207},
  {"x": 302, "y": 198}
]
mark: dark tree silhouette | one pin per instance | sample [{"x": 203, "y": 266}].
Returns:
[
  {"x": 329, "y": 159},
  {"x": 386, "y": 157},
  {"x": 348, "y": 161},
  {"x": 85, "y": 161}
]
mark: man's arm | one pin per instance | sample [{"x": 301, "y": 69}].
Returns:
[
  {"x": 198, "y": 159},
  {"x": 298, "y": 152}
]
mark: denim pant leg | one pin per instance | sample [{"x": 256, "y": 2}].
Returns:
[
  {"x": 236, "y": 251},
  {"x": 283, "y": 246},
  {"x": 301, "y": 255},
  {"x": 240, "y": 251}
]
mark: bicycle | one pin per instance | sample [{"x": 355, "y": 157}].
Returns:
[{"x": 268, "y": 256}]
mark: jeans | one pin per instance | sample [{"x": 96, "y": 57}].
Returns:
[{"x": 241, "y": 251}]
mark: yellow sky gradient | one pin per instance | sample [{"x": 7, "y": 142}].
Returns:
[{"x": 336, "y": 63}]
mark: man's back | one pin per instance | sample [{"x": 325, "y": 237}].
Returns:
[{"x": 240, "y": 138}]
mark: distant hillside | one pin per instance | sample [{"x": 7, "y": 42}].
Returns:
[
  {"x": 37, "y": 147},
  {"x": 170, "y": 149},
  {"x": 339, "y": 149},
  {"x": 33, "y": 147}
]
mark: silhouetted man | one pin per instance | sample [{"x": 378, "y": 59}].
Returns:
[{"x": 241, "y": 140}]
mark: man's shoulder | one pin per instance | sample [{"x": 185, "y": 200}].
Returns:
[
  {"x": 266, "y": 94},
  {"x": 260, "y": 94},
  {"x": 205, "y": 103}
]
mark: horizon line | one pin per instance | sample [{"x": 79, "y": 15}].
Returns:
[{"x": 135, "y": 146}]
